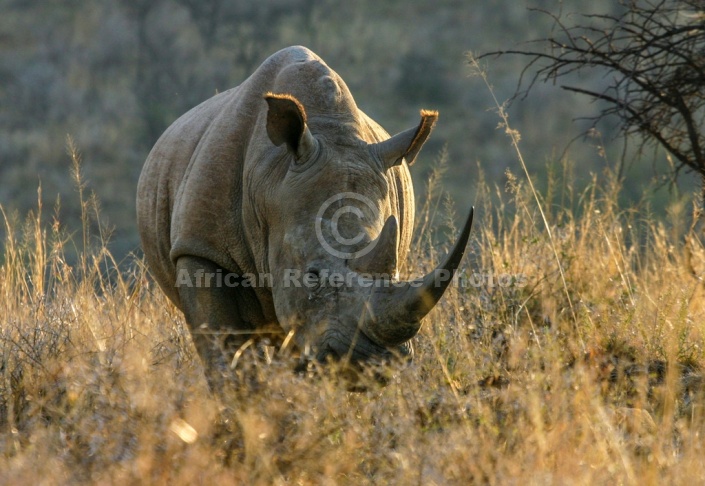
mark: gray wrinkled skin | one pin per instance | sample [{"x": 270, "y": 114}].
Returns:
[{"x": 217, "y": 194}]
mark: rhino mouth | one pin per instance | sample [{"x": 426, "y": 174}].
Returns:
[
  {"x": 356, "y": 357},
  {"x": 360, "y": 350}
]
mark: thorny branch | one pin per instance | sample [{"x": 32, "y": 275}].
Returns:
[{"x": 654, "y": 51}]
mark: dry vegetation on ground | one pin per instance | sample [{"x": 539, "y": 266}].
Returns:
[{"x": 592, "y": 376}]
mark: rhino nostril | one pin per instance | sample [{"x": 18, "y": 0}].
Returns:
[{"x": 328, "y": 354}]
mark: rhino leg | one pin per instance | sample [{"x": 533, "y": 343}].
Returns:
[{"x": 212, "y": 315}]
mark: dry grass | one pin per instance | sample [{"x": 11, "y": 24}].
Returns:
[{"x": 589, "y": 374}]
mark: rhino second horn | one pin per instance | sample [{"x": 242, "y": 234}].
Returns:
[
  {"x": 383, "y": 256},
  {"x": 396, "y": 311}
]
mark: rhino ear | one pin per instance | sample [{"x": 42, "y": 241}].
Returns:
[
  {"x": 286, "y": 123},
  {"x": 406, "y": 145}
]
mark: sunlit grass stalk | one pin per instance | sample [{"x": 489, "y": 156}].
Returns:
[
  {"x": 514, "y": 137},
  {"x": 80, "y": 184}
]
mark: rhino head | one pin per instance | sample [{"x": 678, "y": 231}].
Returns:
[{"x": 338, "y": 225}]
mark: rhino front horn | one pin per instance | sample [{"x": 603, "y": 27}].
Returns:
[{"x": 396, "y": 311}]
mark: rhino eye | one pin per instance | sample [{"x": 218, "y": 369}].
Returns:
[{"x": 311, "y": 278}]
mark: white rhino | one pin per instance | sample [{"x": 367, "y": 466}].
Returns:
[{"x": 245, "y": 183}]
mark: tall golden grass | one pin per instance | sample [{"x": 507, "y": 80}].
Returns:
[{"x": 590, "y": 373}]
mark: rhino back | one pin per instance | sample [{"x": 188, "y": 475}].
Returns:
[
  {"x": 159, "y": 182},
  {"x": 190, "y": 189}
]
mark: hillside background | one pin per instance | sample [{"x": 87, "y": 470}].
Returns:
[{"x": 114, "y": 74}]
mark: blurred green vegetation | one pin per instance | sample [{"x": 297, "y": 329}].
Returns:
[{"x": 114, "y": 74}]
